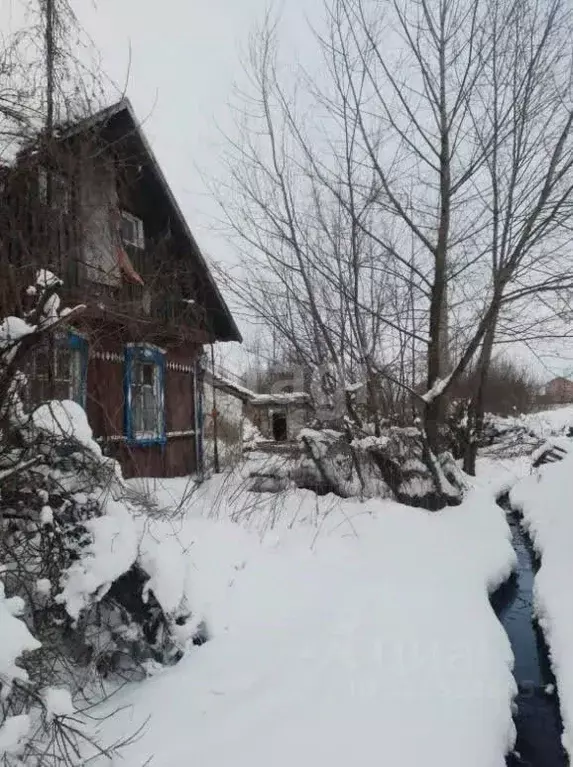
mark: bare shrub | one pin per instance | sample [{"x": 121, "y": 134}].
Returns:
[{"x": 510, "y": 389}]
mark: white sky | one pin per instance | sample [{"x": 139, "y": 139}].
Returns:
[
  {"x": 180, "y": 59},
  {"x": 183, "y": 58}
]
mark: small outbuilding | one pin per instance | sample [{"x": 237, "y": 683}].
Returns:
[{"x": 278, "y": 416}]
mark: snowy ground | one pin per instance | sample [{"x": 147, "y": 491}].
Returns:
[
  {"x": 521, "y": 435},
  {"x": 342, "y": 633},
  {"x": 543, "y": 424},
  {"x": 498, "y": 474},
  {"x": 545, "y": 501}
]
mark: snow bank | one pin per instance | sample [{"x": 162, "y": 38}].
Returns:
[
  {"x": 500, "y": 475},
  {"x": 544, "y": 424},
  {"x": 112, "y": 550},
  {"x": 14, "y": 640},
  {"x": 57, "y": 702},
  {"x": 13, "y": 735},
  {"x": 545, "y": 501},
  {"x": 349, "y": 633},
  {"x": 65, "y": 418}
]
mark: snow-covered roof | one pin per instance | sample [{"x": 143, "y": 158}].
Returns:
[
  {"x": 281, "y": 398},
  {"x": 253, "y": 398},
  {"x": 229, "y": 387}
]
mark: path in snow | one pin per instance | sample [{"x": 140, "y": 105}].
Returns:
[{"x": 537, "y": 718}]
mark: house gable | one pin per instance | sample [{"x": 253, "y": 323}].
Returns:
[
  {"x": 111, "y": 228},
  {"x": 143, "y": 192}
]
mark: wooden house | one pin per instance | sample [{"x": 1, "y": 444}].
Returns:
[{"x": 93, "y": 206}]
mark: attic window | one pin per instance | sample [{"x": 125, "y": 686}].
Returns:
[{"x": 132, "y": 230}]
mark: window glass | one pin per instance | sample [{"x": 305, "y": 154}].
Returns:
[
  {"x": 61, "y": 193},
  {"x": 131, "y": 229},
  {"x": 145, "y": 419},
  {"x": 56, "y": 370}
]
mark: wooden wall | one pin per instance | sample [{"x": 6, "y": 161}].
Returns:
[{"x": 105, "y": 409}]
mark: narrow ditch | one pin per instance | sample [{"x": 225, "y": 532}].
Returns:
[{"x": 537, "y": 718}]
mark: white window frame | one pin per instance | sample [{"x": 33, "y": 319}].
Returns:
[{"x": 139, "y": 240}]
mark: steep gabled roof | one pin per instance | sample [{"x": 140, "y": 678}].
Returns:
[{"x": 226, "y": 329}]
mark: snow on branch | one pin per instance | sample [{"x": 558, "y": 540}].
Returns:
[{"x": 437, "y": 389}]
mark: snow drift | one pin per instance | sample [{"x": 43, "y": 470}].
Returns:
[{"x": 341, "y": 632}]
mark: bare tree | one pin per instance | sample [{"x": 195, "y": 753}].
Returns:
[
  {"x": 393, "y": 213},
  {"x": 308, "y": 267}
]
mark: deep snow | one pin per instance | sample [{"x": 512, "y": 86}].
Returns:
[
  {"x": 342, "y": 633},
  {"x": 14, "y": 640},
  {"x": 523, "y": 433},
  {"x": 544, "y": 498}
]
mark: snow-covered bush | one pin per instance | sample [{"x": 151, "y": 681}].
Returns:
[
  {"x": 69, "y": 535},
  {"x": 69, "y": 559}
]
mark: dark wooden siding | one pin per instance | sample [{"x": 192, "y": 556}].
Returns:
[
  {"x": 175, "y": 459},
  {"x": 106, "y": 405}
]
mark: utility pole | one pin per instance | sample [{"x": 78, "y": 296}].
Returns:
[
  {"x": 50, "y": 60},
  {"x": 215, "y": 414},
  {"x": 50, "y": 10},
  {"x": 50, "y": 52}
]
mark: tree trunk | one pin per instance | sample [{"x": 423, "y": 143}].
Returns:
[
  {"x": 433, "y": 418},
  {"x": 439, "y": 366},
  {"x": 435, "y": 410},
  {"x": 477, "y": 404},
  {"x": 444, "y": 342}
]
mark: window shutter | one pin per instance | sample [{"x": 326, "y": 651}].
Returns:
[{"x": 127, "y": 376}]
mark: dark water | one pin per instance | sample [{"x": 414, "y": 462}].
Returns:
[{"x": 537, "y": 719}]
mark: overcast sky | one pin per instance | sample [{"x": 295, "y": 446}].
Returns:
[
  {"x": 184, "y": 60},
  {"x": 184, "y": 57},
  {"x": 181, "y": 59}
]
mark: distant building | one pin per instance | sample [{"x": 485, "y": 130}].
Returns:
[
  {"x": 279, "y": 416},
  {"x": 559, "y": 390}
]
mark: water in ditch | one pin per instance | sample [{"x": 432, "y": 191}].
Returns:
[{"x": 537, "y": 718}]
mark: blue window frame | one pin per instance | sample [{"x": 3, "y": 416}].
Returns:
[
  {"x": 144, "y": 390},
  {"x": 78, "y": 347},
  {"x": 58, "y": 369}
]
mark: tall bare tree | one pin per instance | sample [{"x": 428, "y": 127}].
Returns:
[{"x": 412, "y": 195}]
